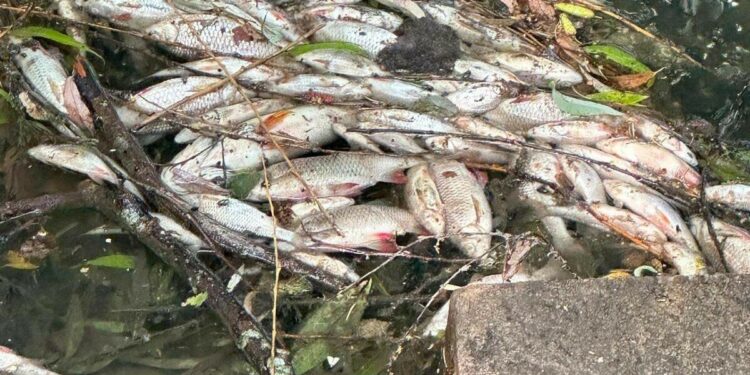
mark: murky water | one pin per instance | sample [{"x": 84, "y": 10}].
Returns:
[{"x": 92, "y": 319}]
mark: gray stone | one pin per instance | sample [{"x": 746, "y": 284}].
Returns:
[{"x": 654, "y": 325}]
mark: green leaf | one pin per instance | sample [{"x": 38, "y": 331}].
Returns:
[
  {"x": 114, "y": 261},
  {"x": 575, "y": 10},
  {"x": 567, "y": 25},
  {"x": 618, "y": 97},
  {"x": 617, "y": 56},
  {"x": 5, "y": 95},
  {"x": 108, "y": 326},
  {"x": 578, "y": 107},
  {"x": 241, "y": 183},
  {"x": 53, "y": 35},
  {"x": 196, "y": 300},
  {"x": 339, "y": 317},
  {"x": 341, "y": 46}
]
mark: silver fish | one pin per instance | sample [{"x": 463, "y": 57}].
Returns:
[
  {"x": 359, "y": 13},
  {"x": 653, "y": 209},
  {"x": 133, "y": 14},
  {"x": 362, "y": 226},
  {"x": 227, "y": 117},
  {"x": 341, "y": 62},
  {"x": 581, "y": 132},
  {"x": 684, "y": 260},
  {"x": 326, "y": 264},
  {"x": 733, "y": 195},
  {"x": 222, "y": 66},
  {"x": 395, "y": 92},
  {"x": 179, "y": 232},
  {"x": 535, "y": 70},
  {"x": 652, "y": 131},
  {"x": 370, "y": 38},
  {"x": 304, "y": 209},
  {"x": 478, "y": 98},
  {"x": 630, "y": 225},
  {"x": 525, "y": 112},
  {"x": 474, "y": 32},
  {"x": 586, "y": 182},
  {"x": 468, "y": 217},
  {"x": 166, "y": 96},
  {"x": 44, "y": 73},
  {"x": 591, "y": 153},
  {"x": 734, "y": 242},
  {"x": 76, "y": 158},
  {"x": 340, "y": 174},
  {"x": 12, "y": 363},
  {"x": 271, "y": 17},
  {"x": 321, "y": 88},
  {"x": 189, "y": 36},
  {"x": 470, "y": 151},
  {"x": 481, "y": 128},
  {"x": 423, "y": 199},
  {"x": 481, "y": 71},
  {"x": 655, "y": 159},
  {"x": 242, "y": 217},
  {"x": 408, "y": 7}
]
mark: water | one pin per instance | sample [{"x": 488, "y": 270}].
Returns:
[{"x": 87, "y": 319}]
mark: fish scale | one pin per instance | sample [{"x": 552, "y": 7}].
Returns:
[
  {"x": 370, "y": 38},
  {"x": 525, "y": 112},
  {"x": 44, "y": 73},
  {"x": 170, "y": 92}
]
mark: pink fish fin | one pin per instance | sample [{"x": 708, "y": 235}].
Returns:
[
  {"x": 480, "y": 176},
  {"x": 77, "y": 110},
  {"x": 383, "y": 242},
  {"x": 346, "y": 189},
  {"x": 397, "y": 177}
]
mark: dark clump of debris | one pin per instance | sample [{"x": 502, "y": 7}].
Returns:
[{"x": 423, "y": 46}]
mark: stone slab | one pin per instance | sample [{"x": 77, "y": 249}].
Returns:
[{"x": 652, "y": 325}]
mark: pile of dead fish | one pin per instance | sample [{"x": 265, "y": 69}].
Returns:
[{"x": 325, "y": 124}]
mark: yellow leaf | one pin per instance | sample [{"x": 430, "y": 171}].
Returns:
[
  {"x": 17, "y": 261},
  {"x": 575, "y": 10},
  {"x": 567, "y": 25}
]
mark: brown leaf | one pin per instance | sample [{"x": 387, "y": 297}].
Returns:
[
  {"x": 632, "y": 81},
  {"x": 541, "y": 9},
  {"x": 567, "y": 42},
  {"x": 77, "y": 109}
]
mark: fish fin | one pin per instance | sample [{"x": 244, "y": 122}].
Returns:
[
  {"x": 385, "y": 242},
  {"x": 346, "y": 189},
  {"x": 397, "y": 177}
]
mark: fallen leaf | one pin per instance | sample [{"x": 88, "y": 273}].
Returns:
[
  {"x": 575, "y": 10},
  {"x": 17, "y": 261},
  {"x": 618, "y": 97},
  {"x": 617, "y": 56},
  {"x": 119, "y": 261},
  {"x": 196, "y": 300},
  {"x": 567, "y": 25},
  {"x": 633, "y": 81},
  {"x": 53, "y": 35},
  {"x": 578, "y": 107},
  {"x": 541, "y": 9},
  {"x": 77, "y": 110}
]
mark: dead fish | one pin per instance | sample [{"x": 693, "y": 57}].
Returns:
[
  {"x": 12, "y": 363},
  {"x": 534, "y": 69},
  {"x": 734, "y": 242},
  {"x": 133, "y": 14},
  {"x": 70, "y": 10},
  {"x": 395, "y": 92},
  {"x": 605, "y": 160},
  {"x": 242, "y": 217},
  {"x": 584, "y": 179},
  {"x": 341, "y": 62},
  {"x": 361, "y": 226},
  {"x": 473, "y": 32},
  {"x": 166, "y": 95},
  {"x": 76, "y": 158},
  {"x": 407, "y": 7},
  {"x": 481, "y": 128},
  {"x": 684, "y": 260},
  {"x": 653, "y": 209},
  {"x": 478, "y": 98},
  {"x": 380, "y": 120},
  {"x": 481, "y": 71},
  {"x": 736, "y": 196},
  {"x": 227, "y": 117},
  {"x": 44, "y": 72},
  {"x": 358, "y": 13},
  {"x": 581, "y": 132},
  {"x": 188, "y": 36},
  {"x": 455, "y": 195},
  {"x": 423, "y": 199},
  {"x": 524, "y": 112},
  {"x": 370, "y": 38},
  {"x": 470, "y": 151},
  {"x": 270, "y": 17},
  {"x": 305, "y": 209},
  {"x": 340, "y": 174},
  {"x": 179, "y": 232},
  {"x": 222, "y": 66},
  {"x": 576, "y": 214},
  {"x": 319, "y": 88},
  {"x": 230, "y": 155},
  {"x": 655, "y": 159},
  {"x": 651, "y": 131},
  {"x": 326, "y": 264},
  {"x": 542, "y": 167}
]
